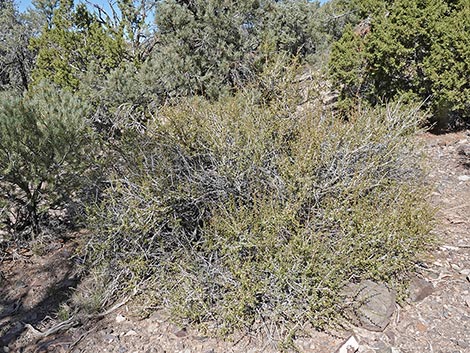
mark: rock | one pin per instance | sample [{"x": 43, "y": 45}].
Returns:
[
  {"x": 373, "y": 304},
  {"x": 465, "y": 271},
  {"x": 130, "y": 333},
  {"x": 200, "y": 338},
  {"x": 351, "y": 345},
  {"x": 462, "y": 344},
  {"x": 421, "y": 327},
  {"x": 420, "y": 289},
  {"x": 391, "y": 336},
  {"x": 152, "y": 327},
  {"x": 181, "y": 333},
  {"x": 388, "y": 350},
  {"x": 109, "y": 338},
  {"x": 464, "y": 178},
  {"x": 450, "y": 248},
  {"x": 463, "y": 150},
  {"x": 120, "y": 319}
]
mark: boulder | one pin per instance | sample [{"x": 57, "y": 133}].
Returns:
[{"x": 372, "y": 304}]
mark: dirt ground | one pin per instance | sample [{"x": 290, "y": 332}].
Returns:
[{"x": 34, "y": 283}]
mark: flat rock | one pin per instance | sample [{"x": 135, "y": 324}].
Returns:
[
  {"x": 465, "y": 271},
  {"x": 130, "y": 333},
  {"x": 388, "y": 350},
  {"x": 420, "y": 289},
  {"x": 373, "y": 304},
  {"x": 351, "y": 345},
  {"x": 463, "y": 150},
  {"x": 180, "y": 333},
  {"x": 120, "y": 318}
]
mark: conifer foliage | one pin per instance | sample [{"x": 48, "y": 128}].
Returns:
[
  {"x": 417, "y": 49},
  {"x": 16, "y": 58},
  {"x": 43, "y": 144},
  {"x": 211, "y": 47},
  {"x": 74, "y": 43}
]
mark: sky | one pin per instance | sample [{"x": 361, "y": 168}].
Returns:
[{"x": 25, "y": 4}]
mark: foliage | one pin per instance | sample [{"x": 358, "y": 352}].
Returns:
[
  {"x": 245, "y": 209},
  {"x": 16, "y": 59},
  {"x": 448, "y": 65},
  {"x": 231, "y": 196},
  {"x": 74, "y": 42},
  {"x": 206, "y": 48},
  {"x": 348, "y": 65},
  {"x": 43, "y": 144},
  {"x": 413, "y": 48},
  {"x": 211, "y": 47}
]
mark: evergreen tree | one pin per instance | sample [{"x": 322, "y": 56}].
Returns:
[
  {"x": 73, "y": 43},
  {"x": 16, "y": 59},
  {"x": 448, "y": 65},
  {"x": 43, "y": 145},
  {"x": 416, "y": 49},
  {"x": 210, "y": 47}
]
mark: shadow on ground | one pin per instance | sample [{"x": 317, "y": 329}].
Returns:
[{"x": 32, "y": 289}]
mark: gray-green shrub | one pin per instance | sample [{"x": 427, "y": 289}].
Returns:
[
  {"x": 233, "y": 212},
  {"x": 43, "y": 141}
]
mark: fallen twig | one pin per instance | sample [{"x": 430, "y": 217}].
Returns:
[
  {"x": 61, "y": 326},
  {"x": 110, "y": 310},
  {"x": 82, "y": 336}
]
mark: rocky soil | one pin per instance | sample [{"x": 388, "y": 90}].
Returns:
[{"x": 33, "y": 284}]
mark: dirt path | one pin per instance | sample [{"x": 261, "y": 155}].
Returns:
[{"x": 437, "y": 319}]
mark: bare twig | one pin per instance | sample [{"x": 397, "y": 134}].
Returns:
[{"x": 61, "y": 326}]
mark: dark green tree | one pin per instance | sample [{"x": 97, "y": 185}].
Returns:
[
  {"x": 415, "y": 49},
  {"x": 74, "y": 42},
  {"x": 448, "y": 65}
]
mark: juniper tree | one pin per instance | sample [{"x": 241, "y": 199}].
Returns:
[
  {"x": 74, "y": 42},
  {"x": 416, "y": 49}
]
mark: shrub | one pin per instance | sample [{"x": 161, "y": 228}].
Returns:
[
  {"x": 234, "y": 212},
  {"x": 209, "y": 48},
  {"x": 75, "y": 41},
  {"x": 417, "y": 49},
  {"x": 43, "y": 141}
]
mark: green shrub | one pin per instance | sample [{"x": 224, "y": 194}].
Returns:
[
  {"x": 43, "y": 141},
  {"x": 417, "y": 49},
  {"x": 75, "y": 41},
  {"x": 234, "y": 212}
]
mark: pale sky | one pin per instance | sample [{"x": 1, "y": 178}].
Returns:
[{"x": 24, "y": 4}]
